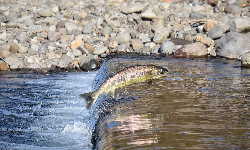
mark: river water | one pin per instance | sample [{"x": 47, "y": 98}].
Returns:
[{"x": 199, "y": 104}]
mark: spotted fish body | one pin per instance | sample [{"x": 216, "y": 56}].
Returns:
[{"x": 128, "y": 76}]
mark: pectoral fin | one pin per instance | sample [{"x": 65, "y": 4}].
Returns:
[{"x": 88, "y": 98}]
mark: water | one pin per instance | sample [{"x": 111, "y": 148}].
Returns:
[
  {"x": 199, "y": 104},
  {"x": 44, "y": 111}
]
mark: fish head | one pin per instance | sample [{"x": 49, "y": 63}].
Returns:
[{"x": 159, "y": 71}]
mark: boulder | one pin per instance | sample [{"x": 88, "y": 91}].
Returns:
[
  {"x": 232, "y": 45},
  {"x": 64, "y": 61},
  {"x": 123, "y": 38},
  {"x": 203, "y": 39},
  {"x": 216, "y": 32},
  {"x": 99, "y": 50},
  {"x": 191, "y": 50},
  {"x": 137, "y": 44}
]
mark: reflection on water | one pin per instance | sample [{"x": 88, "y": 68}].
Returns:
[
  {"x": 44, "y": 111},
  {"x": 199, "y": 104}
]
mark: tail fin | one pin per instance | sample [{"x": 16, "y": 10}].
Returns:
[{"x": 88, "y": 98}]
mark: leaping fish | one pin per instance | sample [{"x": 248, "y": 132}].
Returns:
[{"x": 128, "y": 76}]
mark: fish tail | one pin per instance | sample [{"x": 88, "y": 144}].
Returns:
[{"x": 88, "y": 98}]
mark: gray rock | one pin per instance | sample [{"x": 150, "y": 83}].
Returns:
[
  {"x": 77, "y": 52},
  {"x": 241, "y": 25},
  {"x": 22, "y": 49},
  {"x": 191, "y": 50},
  {"x": 11, "y": 24},
  {"x": 99, "y": 50},
  {"x": 137, "y": 7},
  {"x": 88, "y": 63},
  {"x": 106, "y": 31},
  {"x": 216, "y": 32},
  {"x": 167, "y": 47},
  {"x": 232, "y": 45},
  {"x": 161, "y": 34},
  {"x": 123, "y": 38},
  {"x": 70, "y": 27},
  {"x": 22, "y": 37},
  {"x": 46, "y": 12},
  {"x": 54, "y": 36},
  {"x": 3, "y": 36},
  {"x": 148, "y": 14},
  {"x": 137, "y": 44},
  {"x": 31, "y": 51},
  {"x": 88, "y": 29},
  {"x": 14, "y": 62},
  {"x": 64, "y": 61},
  {"x": 245, "y": 61},
  {"x": 42, "y": 50}
]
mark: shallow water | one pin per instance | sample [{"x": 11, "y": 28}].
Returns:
[
  {"x": 199, "y": 104},
  {"x": 44, "y": 111}
]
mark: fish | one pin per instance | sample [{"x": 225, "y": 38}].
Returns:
[{"x": 128, "y": 76}]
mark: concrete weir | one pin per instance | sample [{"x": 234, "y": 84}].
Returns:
[{"x": 108, "y": 108}]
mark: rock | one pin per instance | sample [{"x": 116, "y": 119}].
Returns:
[
  {"x": 191, "y": 50},
  {"x": 241, "y": 25},
  {"x": 3, "y": 36},
  {"x": 161, "y": 34},
  {"x": 209, "y": 25},
  {"x": 213, "y": 2},
  {"x": 216, "y": 32},
  {"x": 203, "y": 39},
  {"x": 113, "y": 44},
  {"x": 23, "y": 37},
  {"x": 46, "y": 12},
  {"x": 54, "y": 36},
  {"x": 70, "y": 27},
  {"x": 148, "y": 14},
  {"x": 4, "y": 53},
  {"x": 137, "y": 7},
  {"x": 22, "y": 49},
  {"x": 106, "y": 31},
  {"x": 14, "y": 62},
  {"x": 88, "y": 29},
  {"x": 3, "y": 66},
  {"x": 77, "y": 52},
  {"x": 157, "y": 23},
  {"x": 88, "y": 63},
  {"x": 245, "y": 61},
  {"x": 232, "y": 45},
  {"x": 75, "y": 44},
  {"x": 123, "y": 38},
  {"x": 14, "y": 47},
  {"x": 64, "y": 61},
  {"x": 99, "y": 50},
  {"x": 167, "y": 47},
  {"x": 137, "y": 44}
]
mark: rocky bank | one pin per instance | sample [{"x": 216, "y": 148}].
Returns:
[{"x": 78, "y": 34}]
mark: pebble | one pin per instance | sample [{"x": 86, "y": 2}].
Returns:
[
  {"x": 14, "y": 47},
  {"x": 71, "y": 28},
  {"x": 54, "y": 36},
  {"x": 113, "y": 44},
  {"x": 137, "y": 44},
  {"x": 75, "y": 44},
  {"x": 88, "y": 29},
  {"x": 23, "y": 49},
  {"x": 161, "y": 34},
  {"x": 167, "y": 47},
  {"x": 123, "y": 38},
  {"x": 203, "y": 39},
  {"x": 99, "y": 50},
  {"x": 64, "y": 61},
  {"x": 89, "y": 48},
  {"x": 148, "y": 14},
  {"x": 3, "y": 66},
  {"x": 137, "y": 7},
  {"x": 216, "y": 32},
  {"x": 14, "y": 62},
  {"x": 46, "y": 12},
  {"x": 4, "y": 53}
]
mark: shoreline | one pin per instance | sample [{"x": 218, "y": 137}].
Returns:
[{"x": 79, "y": 35}]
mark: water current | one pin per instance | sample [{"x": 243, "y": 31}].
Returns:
[{"x": 199, "y": 104}]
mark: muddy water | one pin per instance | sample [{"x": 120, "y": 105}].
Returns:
[{"x": 199, "y": 104}]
